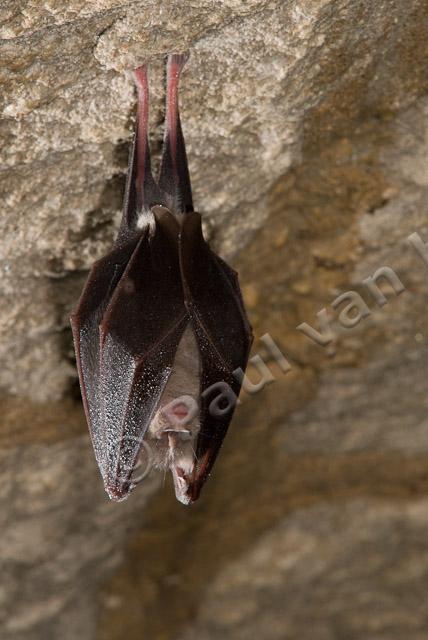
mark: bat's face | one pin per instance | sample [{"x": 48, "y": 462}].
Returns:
[{"x": 160, "y": 329}]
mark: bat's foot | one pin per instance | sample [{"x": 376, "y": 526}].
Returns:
[
  {"x": 140, "y": 78},
  {"x": 176, "y": 62}
]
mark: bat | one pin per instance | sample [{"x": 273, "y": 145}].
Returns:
[{"x": 160, "y": 330}]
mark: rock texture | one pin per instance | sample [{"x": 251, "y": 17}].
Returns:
[
  {"x": 307, "y": 132},
  {"x": 53, "y": 512},
  {"x": 347, "y": 571}
]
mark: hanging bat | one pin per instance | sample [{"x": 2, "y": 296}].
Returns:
[{"x": 160, "y": 331}]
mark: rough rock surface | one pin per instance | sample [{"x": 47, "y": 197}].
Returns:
[
  {"x": 52, "y": 513},
  {"x": 307, "y": 132},
  {"x": 349, "y": 571}
]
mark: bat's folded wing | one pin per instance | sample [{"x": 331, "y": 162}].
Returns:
[
  {"x": 85, "y": 320},
  {"x": 139, "y": 334},
  {"x": 214, "y": 303}
]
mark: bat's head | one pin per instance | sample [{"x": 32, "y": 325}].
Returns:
[{"x": 173, "y": 431}]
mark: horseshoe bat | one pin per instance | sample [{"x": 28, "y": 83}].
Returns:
[{"x": 160, "y": 331}]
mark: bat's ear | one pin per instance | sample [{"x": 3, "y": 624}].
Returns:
[{"x": 174, "y": 180}]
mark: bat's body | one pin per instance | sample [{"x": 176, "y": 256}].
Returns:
[{"x": 160, "y": 328}]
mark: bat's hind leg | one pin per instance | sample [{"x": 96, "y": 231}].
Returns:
[
  {"x": 147, "y": 193},
  {"x": 174, "y": 180}
]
